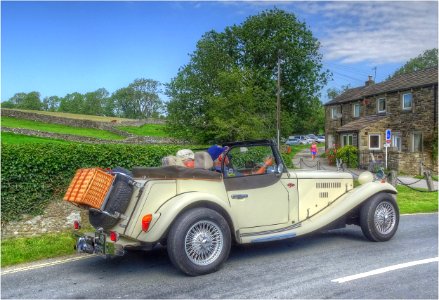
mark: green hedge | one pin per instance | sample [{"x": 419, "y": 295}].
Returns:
[{"x": 34, "y": 174}]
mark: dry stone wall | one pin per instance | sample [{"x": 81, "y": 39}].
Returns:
[
  {"x": 57, "y": 217},
  {"x": 138, "y": 140}
]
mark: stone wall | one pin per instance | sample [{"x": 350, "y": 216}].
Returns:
[
  {"x": 57, "y": 217},
  {"x": 110, "y": 126},
  {"x": 83, "y": 139}
]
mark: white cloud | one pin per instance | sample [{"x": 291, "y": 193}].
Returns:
[{"x": 375, "y": 32}]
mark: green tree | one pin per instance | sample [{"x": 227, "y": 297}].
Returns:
[
  {"x": 425, "y": 60},
  {"x": 139, "y": 100},
  {"x": 94, "y": 102},
  {"x": 26, "y": 101},
  {"x": 228, "y": 89},
  {"x": 332, "y": 93},
  {"x": 51, "y": 103},
  {"x": 72, "y": 103}
]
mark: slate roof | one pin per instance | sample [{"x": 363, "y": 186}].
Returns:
[
  {"x": 361, "y": 123},
  {"x": 398, "y": 83}
]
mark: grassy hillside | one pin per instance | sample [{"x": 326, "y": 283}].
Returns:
[
  {"x": 57, "y": 128},
  {"x": 76, "y": 116}
]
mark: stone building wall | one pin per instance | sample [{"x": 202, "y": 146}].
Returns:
[{"x": 422, "y": 118}]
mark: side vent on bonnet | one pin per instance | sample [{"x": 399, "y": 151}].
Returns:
[
  {"x": 324, "y": 195},
  {"x": 328, "y": 185}
]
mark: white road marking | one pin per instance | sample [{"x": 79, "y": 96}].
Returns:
[
  {"x": 43, "y": 265},
  {"x": 386, "y": 269}
]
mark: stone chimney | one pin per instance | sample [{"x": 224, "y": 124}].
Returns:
[{"x": 369, "y": 81}]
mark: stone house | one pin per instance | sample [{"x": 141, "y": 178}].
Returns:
[{"x": 406, "y": 104}]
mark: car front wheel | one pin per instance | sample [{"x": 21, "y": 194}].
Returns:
[
  {"x": 199, "y": 241},
  {"x": 379, "y": 217}
]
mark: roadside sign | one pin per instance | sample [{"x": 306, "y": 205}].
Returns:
[
  {"x": 386, "y": 145},
  {"x": 388, "y": 136}
]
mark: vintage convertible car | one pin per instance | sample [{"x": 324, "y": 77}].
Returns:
[{"x": 197, "y": 213}]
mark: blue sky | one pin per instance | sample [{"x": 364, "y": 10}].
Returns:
[{"x": 57, "y": 48}]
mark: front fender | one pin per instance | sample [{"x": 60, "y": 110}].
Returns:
[
  {"x": 343, "y": 205},
  {"x": 174, "y": 206}
]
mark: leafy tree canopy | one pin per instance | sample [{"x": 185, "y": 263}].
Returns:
[
  {"x": 139, "y": 100},
  {"x": 334, "y": 92},
  {"x": 425, "y": 60},
  {"x": 227, "y": 91},
  {"x": 24, "y": 101}
]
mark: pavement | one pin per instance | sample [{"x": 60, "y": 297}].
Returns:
[{"x": 309, "y": 164}]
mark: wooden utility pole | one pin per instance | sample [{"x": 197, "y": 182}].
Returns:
[{"x": 278, "y": 104}]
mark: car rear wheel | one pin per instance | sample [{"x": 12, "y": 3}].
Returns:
[
  {"x": 199, "y": 241},
  {"x": 379, "y": 217}
]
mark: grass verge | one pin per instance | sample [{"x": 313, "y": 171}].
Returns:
[
  {"x": 434, "y": 177},
  {"x": 146, "y": 130},
  {"x": 28, "y": 249},
  {"x": 410, "y": 201},
  {"x": 12, "y": 138},
  {"x": 57, "y": 128}
]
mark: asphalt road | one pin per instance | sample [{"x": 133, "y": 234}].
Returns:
[{"x": 298, "y": 268}]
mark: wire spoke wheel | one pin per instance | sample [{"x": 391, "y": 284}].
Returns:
[
  {"x": 384, "y": 217},
  {"x": 203, "y": 243}
]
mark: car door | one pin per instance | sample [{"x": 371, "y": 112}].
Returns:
[{"x": 254, "y": 188}]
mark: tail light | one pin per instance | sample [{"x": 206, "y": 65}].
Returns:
[
  {"x": 76, "y": 225},
  {"x": 114, "y": 236},
  {"x": 146, "y": 221}
]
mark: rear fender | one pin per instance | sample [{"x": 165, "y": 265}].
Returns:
[{"x": 170, "y": 210}]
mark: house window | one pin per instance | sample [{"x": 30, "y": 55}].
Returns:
[
  {"x": 374, "y": 141},
  {"x": 407, "y": 101},
  {"x": 396, "y": 141},
  {"x": 381, "y": 105},
  {"x": 416, "y": 142},
  {"x": 346, "y": 139},
  {"x": 335, "y": 114},
  {"x": 356, "y": 110}
]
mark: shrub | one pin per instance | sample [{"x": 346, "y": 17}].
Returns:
[
  {"x": 34, "y": 174},
  {"x": 330, "y": 154},
  {"x": 349, "y": 155}
]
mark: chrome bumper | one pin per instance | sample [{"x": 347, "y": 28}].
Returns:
[{"x": 97, "y": 244}]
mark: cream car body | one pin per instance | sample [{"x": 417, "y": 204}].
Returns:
[{"x": 277, "y": 204}]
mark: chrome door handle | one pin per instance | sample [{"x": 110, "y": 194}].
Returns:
[{"x": 239, "y": 196}]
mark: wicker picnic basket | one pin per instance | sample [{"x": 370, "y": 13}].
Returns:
[{"x": 89, "y": 187}]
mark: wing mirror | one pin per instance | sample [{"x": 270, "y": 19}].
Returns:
[{"x": 280, "y": 168}]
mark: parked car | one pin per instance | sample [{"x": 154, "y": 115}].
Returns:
[
  {"x": 292, "y": 142},
  {"x": 303, "y": 140},
  {"x": 198, "y": 213},
  {"x": 321, "y": 139},
  {"x": 312, "y": 137}
]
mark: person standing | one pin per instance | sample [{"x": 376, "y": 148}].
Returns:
[{"x": 313, "y": 150}]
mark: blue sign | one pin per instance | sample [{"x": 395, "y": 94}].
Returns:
[{"x": 388, "y": 135}]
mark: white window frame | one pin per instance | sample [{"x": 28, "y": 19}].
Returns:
[
  {"x": 379, "y": 141},
  {"x": 413, "y": 141},
  {"x": 395, "y": 137},
  {"x": 347, "y": 136},
  {"x": 402, "y": 99},
  {"x": 353, "y": 110},
  {"x": 378, "y": 105},
  {"x": 334, "y": 115}
]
